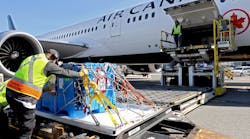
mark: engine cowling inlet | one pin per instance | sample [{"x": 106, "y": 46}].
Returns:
[{"x": 14, "y": 48}]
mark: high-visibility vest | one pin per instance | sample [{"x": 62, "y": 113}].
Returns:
[
  {"x": 3, "y": 100},
  {"x": 177, "y": 30},
  {"x": 29, "y": 79}
]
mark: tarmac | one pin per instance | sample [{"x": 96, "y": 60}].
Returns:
[{"x": 228, "y": 114}]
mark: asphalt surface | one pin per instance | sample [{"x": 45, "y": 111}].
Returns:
[{"x": 228, "y": 114}]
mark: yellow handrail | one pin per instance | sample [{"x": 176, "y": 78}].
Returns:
[{"x": 216, "y": 58}]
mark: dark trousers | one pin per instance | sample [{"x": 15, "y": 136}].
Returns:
[
  {"x": 178, "y": 40},
  {"x": 25, "y": 117},
  {"x": 3, "y": 125}
]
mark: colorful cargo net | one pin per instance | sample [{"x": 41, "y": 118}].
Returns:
[{"x": 96, "y": 93}]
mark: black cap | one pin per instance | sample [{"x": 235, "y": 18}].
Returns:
[{"x": 54, "y": 53}]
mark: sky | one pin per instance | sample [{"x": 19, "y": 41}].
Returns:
[{"x": 38, "y": 17}]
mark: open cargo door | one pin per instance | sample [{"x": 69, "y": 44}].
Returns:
[{"x": 193, "y": 14}]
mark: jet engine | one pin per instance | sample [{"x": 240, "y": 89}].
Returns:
[{"x": 14, "y": 48}]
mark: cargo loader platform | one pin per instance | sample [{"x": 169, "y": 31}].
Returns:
[
  {"x": 141, "y": 119},
  {"x": 182, "y": 99},
  {"x": 167, "y": 99}
]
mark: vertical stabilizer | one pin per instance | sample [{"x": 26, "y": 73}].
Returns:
[{"x": 11, "y": 23}]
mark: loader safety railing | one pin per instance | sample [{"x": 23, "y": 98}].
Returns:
[
  {"x": 166, "y": 41},
  {"x": 224, "y": 33}
]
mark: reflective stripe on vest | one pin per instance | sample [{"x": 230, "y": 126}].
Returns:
[
  {"x": 177, "y": 30},
  {"x": 3, "y": 100},
  {"x": 23, "y": 88},
  {"x": 29, "y": 79}
]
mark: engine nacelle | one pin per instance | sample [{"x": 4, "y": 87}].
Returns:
[
  {"x": 144, "y": 69},
  {"x": 15, "y": 46}
]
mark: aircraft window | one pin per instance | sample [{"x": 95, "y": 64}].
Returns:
[
  {"x": 67, "y": 35},
  {"x": 95, "y": 28},
  {"x": 153, "y": 14},
  {"x": 92, "y": 29},
  {"x": 88, "y": 29},
  {"x": 85, "y": 30},
  {"x": 104, "y": 26},
  {"x": 64, "y": 36},
  {"x": 140, "y": 17},
  {"x": 79, "y": 32},
  {"x": 146, "y": 16},
  {"x": 82, "y": 31},
  {"x": 128, "y": 20},
  {"x": 75, "y": 33},
  {"x": 112, "y": 24},
  {"x": 134, "y": 19}
]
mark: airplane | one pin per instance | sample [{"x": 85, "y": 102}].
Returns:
[{"x": 130, "y": 36}]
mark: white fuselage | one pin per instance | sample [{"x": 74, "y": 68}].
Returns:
[{"x": 136, "y": 30}]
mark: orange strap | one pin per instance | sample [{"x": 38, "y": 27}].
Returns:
[{"x": 24, "y": 89}]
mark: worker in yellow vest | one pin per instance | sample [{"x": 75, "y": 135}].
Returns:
[
  {"x": 177, "y": 32},
  {"x": 25, "y": 88},
  {"x": 3, "y": 115}
]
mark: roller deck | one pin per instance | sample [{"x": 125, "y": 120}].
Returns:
[{"x": 141, "y": 119}]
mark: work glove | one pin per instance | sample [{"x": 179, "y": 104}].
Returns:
[{"x": 83, "y": 72}]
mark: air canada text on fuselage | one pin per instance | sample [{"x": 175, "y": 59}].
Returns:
[{"x": 138, "y": 9}]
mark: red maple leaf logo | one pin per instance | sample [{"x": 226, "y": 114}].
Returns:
[{"x": 237, "y": 22}]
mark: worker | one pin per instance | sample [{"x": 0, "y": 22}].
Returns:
[
  {"x": 3, "y": 115},
  {"x": 223, "y": 27},
  {"x": 177, "y": 32},
  {"x": 223, "y": 23},
  {"x": 25, "y": 88}
]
